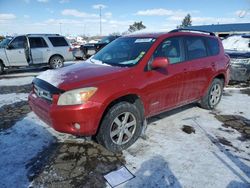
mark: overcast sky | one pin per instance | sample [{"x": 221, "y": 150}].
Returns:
[{"x": 78, "y": 17}]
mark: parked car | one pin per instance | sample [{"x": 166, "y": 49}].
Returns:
[
  {"x": 34, "y": 50},
  {"x": 89, "y": 49},
  {"x": 238, "y": 48},
  {"x": 5, "y": 42},
  {"x": 133, "y": 78}
]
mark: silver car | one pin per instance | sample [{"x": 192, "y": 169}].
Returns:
[{"x": 34, "y": 50}]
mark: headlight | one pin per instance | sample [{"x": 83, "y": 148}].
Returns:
[
  {"x": 76, "y": 96},
  {"x": 240, "y": 61}
]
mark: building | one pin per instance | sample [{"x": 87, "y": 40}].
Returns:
[{"x": 223, "y": 30}]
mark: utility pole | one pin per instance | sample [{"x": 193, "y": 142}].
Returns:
[
  {"x": 100, "y": 20},
  {"x": 60, "y": 28}
]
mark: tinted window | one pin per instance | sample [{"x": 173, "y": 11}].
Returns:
[
  {"x": 37, "y": 42},
  {"x": 19, "y": 42},
  {"x": 195, "y": 48},
  {"x": 58, "y": 41},
  {"x": 170, "y": 48},
  {"x": 213, "y": 46}
]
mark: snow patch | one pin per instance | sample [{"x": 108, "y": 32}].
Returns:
[
  {"x": 6, "y": 99},
  {"x": 16, "y": 81},
  {"x": 236, "y": 43},
  {"x": 18, "y": 145},
  {"x": 53, "y": 77}
]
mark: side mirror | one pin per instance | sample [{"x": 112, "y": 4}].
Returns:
[
  {"x": 9, "y": 47},
  {"x": 160, "y": 62},
  {"x": 249, "y": 45}
]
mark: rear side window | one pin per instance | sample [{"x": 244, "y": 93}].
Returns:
[
  {"x": 58, "y": 41},
  {"x": 213, "y": 46},
  {"x": 195, "y": 48},
  {"x": 37, "y": 42}
]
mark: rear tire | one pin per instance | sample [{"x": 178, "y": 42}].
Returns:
[
  {"x": 120, "y": 127},
  {"x": 213, "y": 95},
  {"x": 1, "y": 68},
  {"x": 56, "y": 62}
]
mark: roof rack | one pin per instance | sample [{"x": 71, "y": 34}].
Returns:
[
  {"x": 46, "y": 34},
  {"x": 195, "y": 30}
]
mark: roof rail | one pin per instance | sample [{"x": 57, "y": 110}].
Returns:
[
  {"x": 43, "y": 34},
  {"x": 195, "y": 30}
]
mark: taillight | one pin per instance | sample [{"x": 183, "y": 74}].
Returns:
[{"x": 70, "y": 49}]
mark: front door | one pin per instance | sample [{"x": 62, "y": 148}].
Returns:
[
  {"x": 165, "y": 86},
  {"x": 16, "y": 51},
  {"x": 39, "y": 50}
]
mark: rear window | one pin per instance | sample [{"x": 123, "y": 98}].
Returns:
[
  {"x": 213, "y": 46},
  {"x": 37, "y": 42},
  {"x": 58, "y": 41},
  {"x": 195, "y": 48}
]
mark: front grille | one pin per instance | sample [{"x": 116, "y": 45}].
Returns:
[{"x": 42, "y": 93}]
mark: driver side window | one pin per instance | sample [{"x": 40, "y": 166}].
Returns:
[
  {"x": 170, "y": 48},
  {"x": 18, "y": 43}
]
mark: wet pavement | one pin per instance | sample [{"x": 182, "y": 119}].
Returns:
[
  {"x": 74, "y": 164},
  {"x": 12, "y": 113},
  {"x": 15, "y": 89}
]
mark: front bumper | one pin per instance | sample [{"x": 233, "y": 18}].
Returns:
[
  {"x": 239, "y": 72},
  {"x": 63, "y": 118}
]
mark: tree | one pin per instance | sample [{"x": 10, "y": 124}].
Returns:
[
  {"x": 186, "y": 21},
  {"x": 136, "y": 27}
]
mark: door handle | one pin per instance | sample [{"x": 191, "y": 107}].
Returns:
[
  {"x": 48, "y": 50},
  {"x": 213, "y": 64}
]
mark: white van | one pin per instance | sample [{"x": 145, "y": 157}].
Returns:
[{"x": 34, "y": 50}]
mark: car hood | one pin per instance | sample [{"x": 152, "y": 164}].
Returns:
[
  {"x": 82, "y": 74},
  {"x": 238, "y": 54}
]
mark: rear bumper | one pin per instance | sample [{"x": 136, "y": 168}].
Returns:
[{"x": 63, "y": 118}]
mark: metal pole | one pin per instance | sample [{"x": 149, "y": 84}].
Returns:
[
  {"x": 60, "y": 28},
  {"x": 100, "y": 20}
]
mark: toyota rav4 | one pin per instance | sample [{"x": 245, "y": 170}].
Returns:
[{"x": 132, "y": 78}]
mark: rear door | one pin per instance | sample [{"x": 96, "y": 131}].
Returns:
[
  {"x": 16, "y": 51},
  {"x": 39, "y": 50},
  {"x": 197, "y": 68},
  {"x": 164, "y": 86}
]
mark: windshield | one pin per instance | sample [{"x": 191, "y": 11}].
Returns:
[
  {"x": 127, "y": 51},
  {"x": 5, "y": 42},
  {"x": 236, "y": 42}
]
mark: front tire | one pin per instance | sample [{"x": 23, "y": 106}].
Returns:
[
  {"x": 120, "y": 127},
  {"x": 213, "y": 95},
  {"x": 56, "y": 62},
  {"x": 1, "y": 68}
]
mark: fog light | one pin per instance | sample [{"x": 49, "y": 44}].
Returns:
[{"x": 77, "y": 126}]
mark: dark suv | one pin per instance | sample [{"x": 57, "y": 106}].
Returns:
[
  {"x": 238, "y": 48},
  {"x": 134, "y": 77}
]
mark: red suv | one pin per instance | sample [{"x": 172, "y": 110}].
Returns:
[{"x": 134, "y": 77}]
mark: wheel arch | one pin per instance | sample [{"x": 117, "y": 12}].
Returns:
[
  {"x": 131, "y": 98},
  {"x": 54, "y": 56}
]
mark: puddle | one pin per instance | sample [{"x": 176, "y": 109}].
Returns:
[
  {"x": 77, "y": 165},
  {"x": 12, "y": 113},
  {"x": 239, "y": 123},
  {"x": 188, "y": 129},
  {"x": 15, "y": 89}
]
